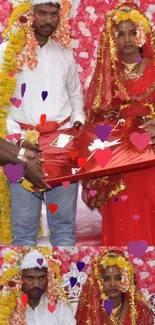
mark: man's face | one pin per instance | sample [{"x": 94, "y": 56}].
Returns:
[
  {"x": 46, "y": 19},
  {"x": 34, "y": 282},
  {"x": 112, "y": 281},
  {"x": 127, "y": 37}
]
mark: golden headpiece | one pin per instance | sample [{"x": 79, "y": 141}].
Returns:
[{"x": 126, "y": 13}]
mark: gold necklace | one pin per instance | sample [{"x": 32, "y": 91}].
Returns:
[
  {"x": 114, "y": 311},
  {"x": 129, "y": 66}
]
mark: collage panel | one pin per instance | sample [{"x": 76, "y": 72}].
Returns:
[{"x": 69, "y": 285}]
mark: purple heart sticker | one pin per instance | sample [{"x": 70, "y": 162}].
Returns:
[
  {"x": 39, "y": 292},
  {"x": 138, "y": 248},
  {"x": 103, "y": 131},
  {"x": 138, "y": 59},
  {"x": 44, "y": 95},
  {"x": 116, "y": 199},
  {"x": 1, "y": 39},
  {"x": 40, "y": 261},
  {"x": 13, "y": 100},
  {"x": 23, "y": 89},
  {"x": 13, "y": 172},
  {"x": 136, "y": 217},
  {"x": 1, "y": 287},
  {"x": 73, "y": 281},
  {"x": 80, "y": 266},
  {"x": 108, "y": 305}
]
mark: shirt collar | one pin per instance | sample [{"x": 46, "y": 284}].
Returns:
[{"x": 49, "y": 42}]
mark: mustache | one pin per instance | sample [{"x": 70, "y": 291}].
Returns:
[
  {"x": 47, "y": 26},
  {"x": 39, "y": 291}
]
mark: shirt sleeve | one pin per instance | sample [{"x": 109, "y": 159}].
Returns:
[
  {"x": 13, "y": 127},
  {"x": 68, "y": 317},
  {"x": 65, "y": 314},
  {"x": 75, "y": 92}
]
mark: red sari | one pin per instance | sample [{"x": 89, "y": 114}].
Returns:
[
  {"x": 90, "y": 309},
  {"x": 119, "y": 224}
]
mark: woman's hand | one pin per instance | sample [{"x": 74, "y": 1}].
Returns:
[
  {"x": 149, "y": 127},
  {"x": 28, "y": 145},
  {"x": 77, "y": 125}
]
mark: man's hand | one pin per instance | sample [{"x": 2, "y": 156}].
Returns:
[
  {"x": 77, "y": 125},
  {"x": 35, "y": 175},
  {"x": 149, "y": 127},
  {"x": 28, "y": 145},
  {"x": 30, "y": 155}
]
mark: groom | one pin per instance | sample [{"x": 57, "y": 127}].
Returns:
[{"x": 56, "y": 73}]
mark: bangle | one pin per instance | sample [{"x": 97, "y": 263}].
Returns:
[
  {"x": 21, "y": 153},
  {"x": 21, "y": 142},
  {"x": 23, "y": 176}
]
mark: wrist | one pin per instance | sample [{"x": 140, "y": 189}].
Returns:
[
  {"x": 25, "y": 165},
  {"x": 21, "y": 153}
]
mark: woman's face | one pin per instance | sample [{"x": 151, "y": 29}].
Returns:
[
  {"x": 127, "y": 37},
  {"x": 112, "y": 282}
]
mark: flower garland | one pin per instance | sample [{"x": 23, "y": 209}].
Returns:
[
  {"x": 12, "y": 309},
  {"x": 20, "y": 34},
  {"x": 7, "y": 89}
]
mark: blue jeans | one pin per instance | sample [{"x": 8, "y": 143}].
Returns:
[{"x": 25, "y": 215}]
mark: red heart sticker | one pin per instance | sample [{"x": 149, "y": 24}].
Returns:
[
  {"x": 10, "y": 137},
  {"x": 103, "y": 156},
  {"x": 51, "y": 308},
  {"x": 17, "y": 136},
  {"x": 66, "y": 184},
  {"x": 122, "y": 96},
  {"x": 53, "y": 207},
  {"x": 82, "y": 161},
  {"x": 73, "y": 154},
  {"x": 42, "y": 119},
  {"x": 11, "y": 74},
  {"x": 24, "y": 299},
  {"x": 140, "y": 141},
  {"x": 17, "y": 103},
  {"x": 1, "y": 261}
]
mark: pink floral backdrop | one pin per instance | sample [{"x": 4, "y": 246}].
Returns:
[{"x": 72, "y": 257}]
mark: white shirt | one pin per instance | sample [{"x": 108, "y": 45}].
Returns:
[
  {"x": 62, "y": 315},
  {"x": 55, "y": 73}
]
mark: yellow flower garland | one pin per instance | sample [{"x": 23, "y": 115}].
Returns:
[
  {"x": 7, "y": 90},
  {"x": 17, "y": 38}
]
